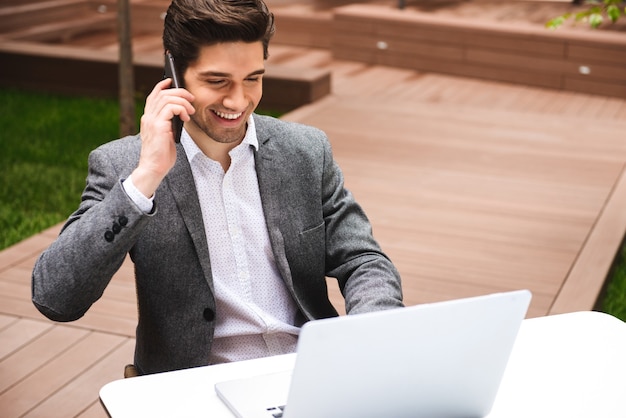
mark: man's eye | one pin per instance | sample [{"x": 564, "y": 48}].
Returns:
[{"x": 216, "y": 82}]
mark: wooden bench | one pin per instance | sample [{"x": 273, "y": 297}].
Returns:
[
  {"x": 64, "y": 31},
  {"x": 581, "y": 61},
  {"x": 299, "y": 25},
  {"x": 94, "y": 72}
]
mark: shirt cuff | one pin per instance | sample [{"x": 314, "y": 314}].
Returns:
[{"x": 144, "y": 203}]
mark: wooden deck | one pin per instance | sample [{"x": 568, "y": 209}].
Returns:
[{"x": 471, "y": 186}]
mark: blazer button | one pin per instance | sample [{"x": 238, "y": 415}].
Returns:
[
  {"x": 208, "y": 314},
  {"x": 109, "y": 236},
  {"x": 116, "y": 228},
  {"x": 123, "y": 220}
]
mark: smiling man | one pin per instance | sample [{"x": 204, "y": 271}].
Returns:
[{"x": 232, "y": 231}]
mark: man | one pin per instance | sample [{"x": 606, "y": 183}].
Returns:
[{"x": 233, "y": 230}]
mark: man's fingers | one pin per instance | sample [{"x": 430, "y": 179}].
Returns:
[{"x": 165, "y": 103}]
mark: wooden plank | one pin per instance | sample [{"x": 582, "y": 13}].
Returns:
[
  {"x": 580, "y": 291},
  {"x": 621, "y": 114},
  {"x": 351, "y": 42},
  {"x": 56, "y": 374},
  {"x": 349, "y": 23},
  {"x": 19, "y": 307},
  {"x": 142, "y": 43},
  {"x": 100, "y": 321},
  {"x": 6, "y": 320},
  {"x": 108, "y": 306},
  {"x": 608, "y": 73},
  {"x": 610, "y": 109},
  {"x": 147, "y": 17},
  {"x": 466, "y": 91},
  {"x": 95, "y": 410},
  {"x": 34, "y": 14},
  {"x": 468, "y": 69},
  {"x": 116, "y": 312},
  {"x": 23, "y": 250},
  {"x": 39, "y": 351},
  {"x": 480, "y": 268},
  {"x": 79, "y": 394},
  {"x": 541, "y": 46},
  {"x": 520, "y": 61},
  {"x": 361, "y": 82},
  {"x": 352, "y": 54},
  {"x": 585, "y": 85},
  {"x": 15, "y": 290},
  {"x": 433, "y": 31},
  {"x": 556, "y": 103},
  {"x": 503, "y": 96},
  {"x": 64, "y": 30},
  {"x": 18, "y": 274},
  {"x": 19, "y": 333},
  {"x": 432, "y": 289},
  {"x": 316, "y": 58},
  {"x": 121, "y": 292},
  {"x": 445, "y": 51},
  {"x": 303, "y": 27},
  {"x": 597, "y": 53}
]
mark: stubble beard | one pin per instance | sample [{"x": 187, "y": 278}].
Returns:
[{"x": 223, "y": 136}]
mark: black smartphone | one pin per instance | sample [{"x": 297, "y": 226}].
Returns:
[{"x": 170, "y": 72}]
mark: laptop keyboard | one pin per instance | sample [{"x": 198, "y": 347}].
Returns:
[{"x": 276, "y": 411}]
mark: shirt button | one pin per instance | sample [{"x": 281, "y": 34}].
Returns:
[
  {"x": 116, "y": 228},
  {"x": 208, "y": 314},
  {"x": 123, "y": 220}
]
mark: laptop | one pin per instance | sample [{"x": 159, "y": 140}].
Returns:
[{"x": 443, "y": 359}]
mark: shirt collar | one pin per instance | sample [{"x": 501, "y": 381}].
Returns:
[{"x": 192, "y": 149}]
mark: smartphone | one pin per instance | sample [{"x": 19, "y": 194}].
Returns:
[{"x": 170, "y": 72}]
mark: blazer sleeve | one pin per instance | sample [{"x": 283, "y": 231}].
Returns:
[
  {"x": 367, "y": 278},
  {"x": 73, "y": 272}
]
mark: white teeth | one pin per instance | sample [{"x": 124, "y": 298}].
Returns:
[{"x": 230, "y": 116}]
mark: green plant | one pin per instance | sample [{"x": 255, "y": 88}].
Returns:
[{"x": 595, "y": 14}]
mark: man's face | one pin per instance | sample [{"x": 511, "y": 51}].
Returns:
[{"x": 226, "y": 81}]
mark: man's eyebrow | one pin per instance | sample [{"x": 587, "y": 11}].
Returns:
[{"x": 228, "y": 75}]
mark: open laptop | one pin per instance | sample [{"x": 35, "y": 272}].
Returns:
[{"x": 442, "y": 359}]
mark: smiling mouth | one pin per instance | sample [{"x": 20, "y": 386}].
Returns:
[{"x": 228, "y": 116}]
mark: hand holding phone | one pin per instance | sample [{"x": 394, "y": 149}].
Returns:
[{"x": 170, "y": 72}]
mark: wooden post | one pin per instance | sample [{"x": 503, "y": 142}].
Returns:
[{"x": 126, "y": 74}]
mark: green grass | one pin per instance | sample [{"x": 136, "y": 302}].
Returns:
[
  {"x": 614, "y": 300},
  {"x": 45, "y": 142}
]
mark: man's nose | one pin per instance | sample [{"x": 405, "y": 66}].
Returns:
[{"x": 235, "y": 99}]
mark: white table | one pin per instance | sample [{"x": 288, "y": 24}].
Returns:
[{"x": 571, "y": 365}]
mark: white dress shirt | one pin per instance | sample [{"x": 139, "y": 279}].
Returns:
[{"x": 255, "y": 312}]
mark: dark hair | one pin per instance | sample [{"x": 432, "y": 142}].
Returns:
[{"x": 191, "y": 24}]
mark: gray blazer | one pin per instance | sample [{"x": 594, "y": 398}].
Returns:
[{"x": 316, "y": 230}]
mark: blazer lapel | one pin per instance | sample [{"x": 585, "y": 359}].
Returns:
[
  {"x": 181, "y": 184},
  {"x": 267, "y": 162}
]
